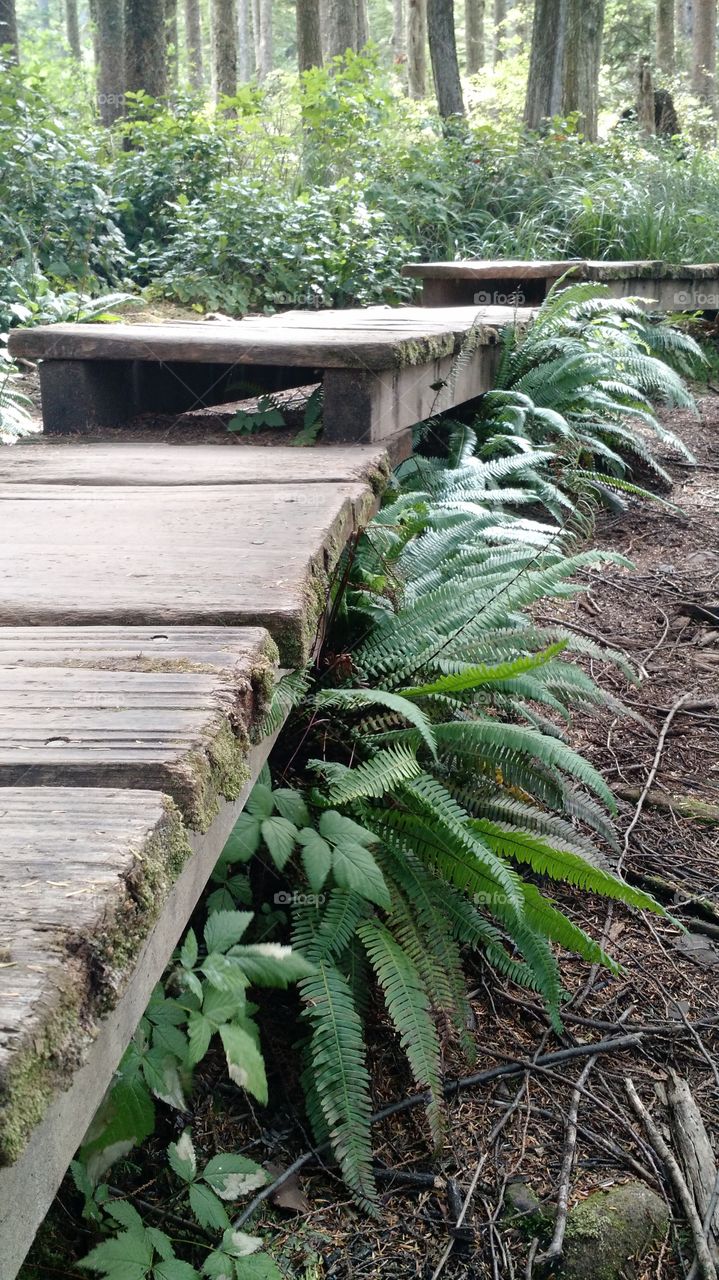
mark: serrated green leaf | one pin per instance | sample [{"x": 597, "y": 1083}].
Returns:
[
  {"x": 260, "y": 803},
  {"x": 127, "y": 1256},
  {"x": 224, "y": 928},
  {"x": 188, "y": 950},
  {"x": 353, "y": 867},
  {"x": 218, "y": 1266},
  {"x": 225, "y": 974},
  {"x": 336, "y": 828},
  {"x": 243, "y": 841},
  {"x": 173, "y": 1269},
  {"x": 125, "y": 1215},
  {"x": 270, "y": 964},
  {"x": 290, "y": 804},
  {"x": 219, "y": 1007},
  {"x": 316, "y": 857},
  {"x": 244, "y": 1061},
  {"x": 207, "y": 1208},
  {"x": 160, "y": 1242},
  {"x": 259, "y": 1267},
  {"x": 232, "y": 1177},
  {"x": 170, "y": 1041},
  {"x": 280, "y": 836},
  {"x": 182, "y": 1158},
  {"x": 193, "y": 984},
  {"x": 201, "y": 1031}
]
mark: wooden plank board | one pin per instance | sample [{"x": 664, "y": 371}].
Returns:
[
  {"x": 83, "y": 875},
  {"x": 55, "y": 460},
  {"x": 195, "y": 555},
  {"x": 119, "y": 710},
  {"x": 28, "y": 1186},
  {"x": 373, "y": 338},
  {"x": 514, "y": 269}
]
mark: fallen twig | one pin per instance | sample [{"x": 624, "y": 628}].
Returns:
[
  {"x": 705, "y": 1265},
  {"x": 676, "y": 707},
  {"x": 451, "y": 1088},
  {"x": 556, "y": 1245}
]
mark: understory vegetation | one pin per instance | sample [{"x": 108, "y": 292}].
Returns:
[
  {"x": 423, "y": 804},
  {"x": 315, "y": 192}
]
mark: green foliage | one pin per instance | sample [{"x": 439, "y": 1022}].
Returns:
[{"x": 15, "y": 418}]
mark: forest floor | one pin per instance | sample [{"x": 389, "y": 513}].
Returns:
[{"x": 664, "y": 614}]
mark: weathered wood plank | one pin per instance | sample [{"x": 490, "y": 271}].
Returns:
[
  {"x": 83, "y": 875},
  {"x": 28, "y": 1186},
  {"x": 373, "y": 338},
  {"x": 664, "y": 286},
  {"x": 204, "y": 555},
  {"x": 55, "y": 460},
  {"x": 152, "y": 721}
]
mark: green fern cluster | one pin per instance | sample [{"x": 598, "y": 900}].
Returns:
[
  {"x": 445, "y": 748},
  {"x": 584, "y": 377},
  {"x": 15, "y": 418}
]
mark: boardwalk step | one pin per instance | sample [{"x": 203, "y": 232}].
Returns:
[{"x": 170, "y": 711}]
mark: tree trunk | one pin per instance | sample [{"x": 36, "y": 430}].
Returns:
[
  {"x": 224, "y": 49},
  {"x": 544, "y": 86},
  {"x": 245, "y": 42},
  {"x": 645, "y": 99},
  {"x": 704, "y": 50},
  {"x": 362, "y": 24},
  {"x": 443, "y": 52},
  {"x": 145, "y": 47},
  {"x": 417, "y": 47},
  {"x": 398, "y": 32},
  {"x": 685, "y": 18},
  {"x": 500, "y": 14},
  {"x": 193, "y": 43},
  {"x": 72, "y": 27},
  {"x": 665, "y": 36},
  {"x": 256, "y": 30},
  {"x": 8, "y": 28},
  {"x": 266, "y": 52},
  {"x": 474, "y": 35},
  {"x": 341, "y": 26},
  {"x": 582, "y": 58},
  {"x": 172, "y": 37},
  {"x": 110, "y": 59},
  {"x": 43, "y": 9},
  {"x": 309, "y": 37}
]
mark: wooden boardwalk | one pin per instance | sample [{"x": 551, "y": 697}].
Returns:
[
  {"x": 509, "y": 281},
  {"x": 150, "y": 595},
  {"x": 382, "y": 369}
]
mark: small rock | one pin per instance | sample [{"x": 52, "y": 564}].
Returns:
[
  {"x": 522, "y": 1200},
  {"x": 610, "y": 1230}
]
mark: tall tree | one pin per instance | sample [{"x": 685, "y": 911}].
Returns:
[
  {"x": 172, "y": 36},
  {"x": 546, "y": 63},
  {"x": 704, "y": 51},
  {"x": 398, "y": 32},
  {"x": 685, "y": 18},
  {"x": 443, "y": 52},
  {"x": 341, "y": 19},
  {"x": 8, "y": 28},
  {"x": 362, "y": 24},
  {"x": 109, "y": 40},
  {"x": 245, "y": 42},
  {"x": 500, "y": 16},
  {"x": 417, "y": 47},
  {"x": 145, "y": 47},
  {"x": 265, "y": 56},
  {"x": 474, "y": 35},
  {"x": 665, "y": 35},
  {"x": 645, "y": 99},
  {"x": 193, "y": 43},
  {"x": 309, "y": 35},
  {"x": 72, "y": 28},
  {"x": 224, "y": 49},
  {"x": 582, "y": 60}
]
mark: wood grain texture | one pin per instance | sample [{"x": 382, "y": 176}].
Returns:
[
  {"x": 199, "y": 555},
  {"x": 372, "y": 338},
  {"x": 107, "y": 709},
  {"x": 83, "y": 875},
  {"x": 55, "y": 460},
  {"x": 28, "y": 1186}
]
